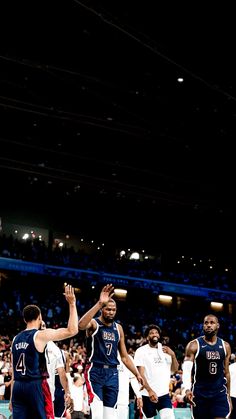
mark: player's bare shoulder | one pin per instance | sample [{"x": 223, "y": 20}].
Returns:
[
  {"x": 120, "y": 329},
  {"x": 91, "y": 327},
  {"x": 191, "y": 347},
  {"x": 227, "y": 347}
]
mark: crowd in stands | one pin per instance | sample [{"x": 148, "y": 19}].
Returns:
[{"x": 197, "y": 271}]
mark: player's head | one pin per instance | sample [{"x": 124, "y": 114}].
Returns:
[
  {"x": 210, "y": 325},
  {"x": 32, "y": 313},
  {"x": 152, "y": 334},
  {"x": 109, "y": 310}
]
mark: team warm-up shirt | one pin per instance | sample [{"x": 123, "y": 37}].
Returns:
[
  {"x": 209, "y": 378},
  {"x": 157, "y": 366},
  {"x": 104, "y": 344},
  {"x": 28, "y": 363},
  {"x": 54, "y": 361}
]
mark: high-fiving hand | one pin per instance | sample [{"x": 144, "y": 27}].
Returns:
[{"x": 106, "y": 293}]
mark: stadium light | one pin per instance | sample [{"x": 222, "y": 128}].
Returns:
[
  {"x": 120, "y": 293},
  {"x": 216, "y": 306},
  {"x": 165, "y": 298}
]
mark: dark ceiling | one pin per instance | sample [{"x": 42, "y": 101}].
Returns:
[{"x": 98, "y": 133}]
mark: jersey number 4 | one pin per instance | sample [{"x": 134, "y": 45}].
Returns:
[{"x": 20, "y": 366}]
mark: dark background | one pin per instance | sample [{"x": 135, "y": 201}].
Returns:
[{"x": 97, "y": 135}]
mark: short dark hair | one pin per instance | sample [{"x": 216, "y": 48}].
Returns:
[
  {"x": 31, "y": 312},
  {"x": 109, "y": 301},
  {"x": 211, "y": 315},
  {"x": 150, "y": 327}
]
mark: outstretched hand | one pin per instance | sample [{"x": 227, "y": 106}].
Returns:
[
  {"x": 106, "y": 293},
  {"x": 69, "y": 294}
]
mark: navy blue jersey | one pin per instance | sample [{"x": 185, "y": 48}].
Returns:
[
  {"x": 209, "y": 378},
  {"x": 28, "y": 363},
  {"x": 104, "y": 344}
]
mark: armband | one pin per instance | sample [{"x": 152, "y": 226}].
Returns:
[{"x": 187, "y": 369}]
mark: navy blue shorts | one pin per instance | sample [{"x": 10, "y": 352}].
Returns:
[
  {"x": 104, "y": 384},
  {"x": 28, "y": 400},
  {"x": 59, "y": 401},
  {"x": 150, "y": 408},
  {"x": 211, "y": 407}
]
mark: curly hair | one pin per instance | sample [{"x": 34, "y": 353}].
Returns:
[{"x": 150, "y": 327}]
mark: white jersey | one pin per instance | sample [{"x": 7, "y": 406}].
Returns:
[
  {"x": 157, "y": 366},
  {"x": 54, "y": 360},
  {"x": 232, "y": 372}
]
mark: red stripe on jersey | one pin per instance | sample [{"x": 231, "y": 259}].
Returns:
[
  {"x": 88, "y": 384},
  {"x": 47, "y": 400}
]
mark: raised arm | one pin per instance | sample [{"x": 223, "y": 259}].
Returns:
[
  {"x": 86, "y": 320},
  {"x": 44, "y": 336}
]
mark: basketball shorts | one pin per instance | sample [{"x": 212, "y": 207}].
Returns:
[
  {"x": 150, "y": 408},
  {"x": 104, "y": 384},
  {"x": 211, "y": 407}
]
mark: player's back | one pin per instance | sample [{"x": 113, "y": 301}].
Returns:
[
  {"x": 30, "y": 391},
  {"x": 27, "y": 361}
]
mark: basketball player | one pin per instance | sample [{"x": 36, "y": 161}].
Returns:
[
  {"x": 209, "y": 394},
  {"x": 107, "y": 337},
  {"x": 30, "y": 393},
  {"x": 156, "y": 363}
]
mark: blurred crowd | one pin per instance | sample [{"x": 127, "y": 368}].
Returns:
[{"x": 203, "y": 271}]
